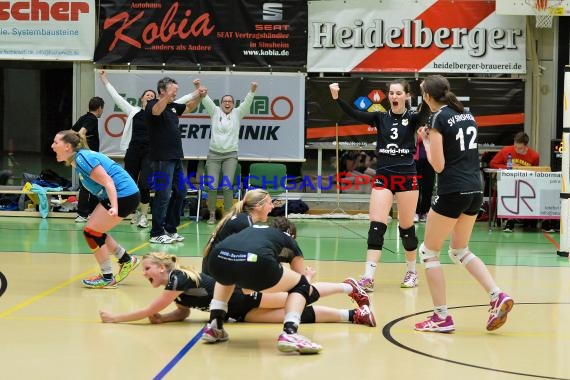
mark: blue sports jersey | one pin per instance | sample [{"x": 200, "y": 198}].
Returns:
[{"x": 86, "y": 160}]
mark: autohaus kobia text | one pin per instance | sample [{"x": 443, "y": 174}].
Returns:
[{"x": 327, "y": 35}]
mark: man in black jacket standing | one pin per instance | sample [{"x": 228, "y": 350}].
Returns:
[{"x": 88, "y": 125}]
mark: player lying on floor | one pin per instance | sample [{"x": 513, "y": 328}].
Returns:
[{"x": 190, "y": 289}]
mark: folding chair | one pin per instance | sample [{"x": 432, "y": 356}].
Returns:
[{"x": 271, "y": 177}]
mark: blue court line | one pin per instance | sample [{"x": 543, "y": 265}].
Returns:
[{"x": 179, "y": 355}]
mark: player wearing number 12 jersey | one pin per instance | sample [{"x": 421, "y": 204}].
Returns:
[
  {"x": 461, "y": 172},
  {"x": 451, "y": 148}
]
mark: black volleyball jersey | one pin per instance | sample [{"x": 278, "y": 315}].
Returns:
[
  {"x": 262, "y": 240},
  {"x": 396, "y": 141},
  {"x": 193, "y": 295},
  {"x": 461, "y": 172},
  {"x": 200, "y": 296},
  {"x": 232, "y": 226}
]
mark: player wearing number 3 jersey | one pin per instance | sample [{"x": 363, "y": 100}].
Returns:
[{"x": 395, "y": 148}]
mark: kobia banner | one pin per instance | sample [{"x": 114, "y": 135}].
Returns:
[
  {"x": 271, "y": 130},
  {"x": 238, "y": 33},
  {"x": 428, "y": 36}
]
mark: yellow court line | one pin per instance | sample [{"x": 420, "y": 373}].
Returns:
[
  {"x": 138, "y": 247},
  {"x": 45, "y": 293},
  {"x": 57, "y": 287},
  {"x": 57, "y": 319}
]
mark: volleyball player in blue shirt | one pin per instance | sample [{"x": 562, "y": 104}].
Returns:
[{"x": 118, "y": 197}]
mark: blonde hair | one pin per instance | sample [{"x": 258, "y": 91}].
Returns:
[
  {"x": 170, "y": 262},
  {"x": 75, "y": 139},
  {"x": 251, "y": 199}
]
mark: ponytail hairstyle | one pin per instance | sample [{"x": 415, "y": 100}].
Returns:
[
  {"x": 75, "y": 139},
  {"x": 170, "y": 262},
  {"x": 439, "y": 89},
  {"x": 251, "y": 199}
]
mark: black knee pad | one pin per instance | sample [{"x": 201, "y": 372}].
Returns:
[
  {"x": 409, "y": 238},
  {"x": 93, "y": 238},
  {"x": 308, "y": 315},
  {"x": 376, "y": 235},
  {"x": 303, "y": 288},
  {"x": 314, "y": 295}
]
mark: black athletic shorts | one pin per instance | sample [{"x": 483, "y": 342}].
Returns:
[
  {"x": 256, "y": 271},
  {"x": 453, "y": 205},
  {"x": 127, "y": 205},
  {"x": 385, "y": 179},
  {"x": 240, "y": 304}
]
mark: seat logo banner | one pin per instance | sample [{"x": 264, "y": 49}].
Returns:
[
  {"x": 272, "y": 129},
  {"x": 203, "y": 33},
  {"x": 414, "y": 36},
  {"x": 47, "y": 30}
]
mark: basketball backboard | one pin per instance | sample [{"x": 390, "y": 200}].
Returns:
[{"x": 533, "y": 7}]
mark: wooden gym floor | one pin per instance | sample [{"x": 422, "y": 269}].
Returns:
[{"x": 50, "y": 329}]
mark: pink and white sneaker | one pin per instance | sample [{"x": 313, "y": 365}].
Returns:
[
  {"x": 297, "y": 343},
  {"x": 410, "y": 280},
  {"x": 214, "y": 335},
  {"x": 499, "y": 310},
  {"x": 436, "y": 324}
]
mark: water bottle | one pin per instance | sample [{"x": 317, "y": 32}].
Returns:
[{"x": 509, "y": 161}]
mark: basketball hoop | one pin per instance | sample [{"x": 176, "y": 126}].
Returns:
[{"x": 543, "y": 20}]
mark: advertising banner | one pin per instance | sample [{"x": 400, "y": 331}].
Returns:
[
  {"x": 273, "y": 129},
  {"x": 498, "y": 107},
  {"x": 233, "y": 33},
  {"x": 47, "y": 30},
  {"x": 527, "y": 194},
  {"x": 437, "y": 36}
]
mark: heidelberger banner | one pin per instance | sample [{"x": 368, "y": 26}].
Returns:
[
  {"x": 272, "y": 131},
  {"x": 437, "y": 36},
  {"x": 47, "y": 30},
  {"x": 497, "y": 104},
  {"x": 203, "y": 32}
]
